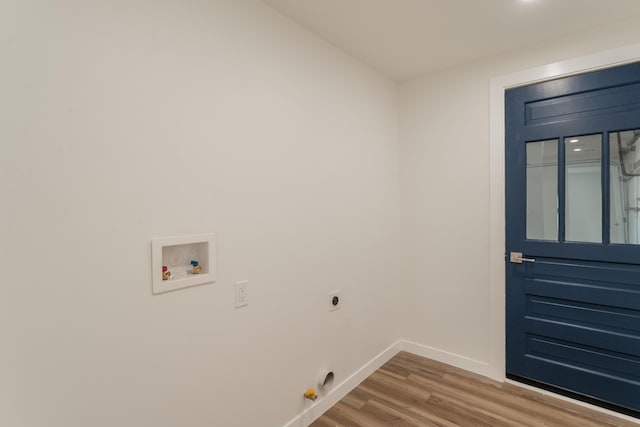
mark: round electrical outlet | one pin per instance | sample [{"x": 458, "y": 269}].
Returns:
[{"x": 334, "y": 300}]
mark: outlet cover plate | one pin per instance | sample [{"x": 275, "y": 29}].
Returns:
[{"x": 242, "y": 293}]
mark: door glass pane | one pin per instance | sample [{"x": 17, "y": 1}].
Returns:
[
  {"x": 625, "y": 188},
  {"x": 542, "y": 190},
  {"x": 583, "y": 189}
]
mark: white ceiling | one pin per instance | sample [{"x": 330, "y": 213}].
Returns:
[{"x": 406, "y": 38}]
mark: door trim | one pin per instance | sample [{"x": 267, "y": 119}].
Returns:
[{"x": 498, "y": 85}]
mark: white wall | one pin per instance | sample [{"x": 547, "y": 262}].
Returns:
[
  {"x": 123, "y": 121},
  {"x": 445, "y": 184}
]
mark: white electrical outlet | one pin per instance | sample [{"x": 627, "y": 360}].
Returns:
[
  {"x": 242, "y": 293},
  {"x": 335, "y": 300}
]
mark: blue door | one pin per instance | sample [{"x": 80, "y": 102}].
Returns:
[{"x": 573, "y": 236}]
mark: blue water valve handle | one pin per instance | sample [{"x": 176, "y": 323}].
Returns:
[{"x": 194, "y": 263}]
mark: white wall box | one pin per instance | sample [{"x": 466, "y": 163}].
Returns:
[{"x": 178, "y": 256}]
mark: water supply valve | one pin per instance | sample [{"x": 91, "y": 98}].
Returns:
[{"x": 310, "y": 394}]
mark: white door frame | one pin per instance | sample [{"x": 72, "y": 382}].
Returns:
[{"x": 623, "y": 55}]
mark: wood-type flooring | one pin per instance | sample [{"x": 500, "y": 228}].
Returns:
[{"x": 412, "y": 391}]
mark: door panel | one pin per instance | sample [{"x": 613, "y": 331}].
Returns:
[
  {"x": 594, "y": 103},
  {"x": 573, "y": 311},
  {"x": 592, "y": 383}
]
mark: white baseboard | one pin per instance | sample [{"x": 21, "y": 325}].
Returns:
[
  {"x": 481, "y": 368},
  {"x": 462, "y": 362},
  {"x": 341, "y": 390}
]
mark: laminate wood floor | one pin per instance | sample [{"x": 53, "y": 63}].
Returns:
[{"x": 412, "y": 391}]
